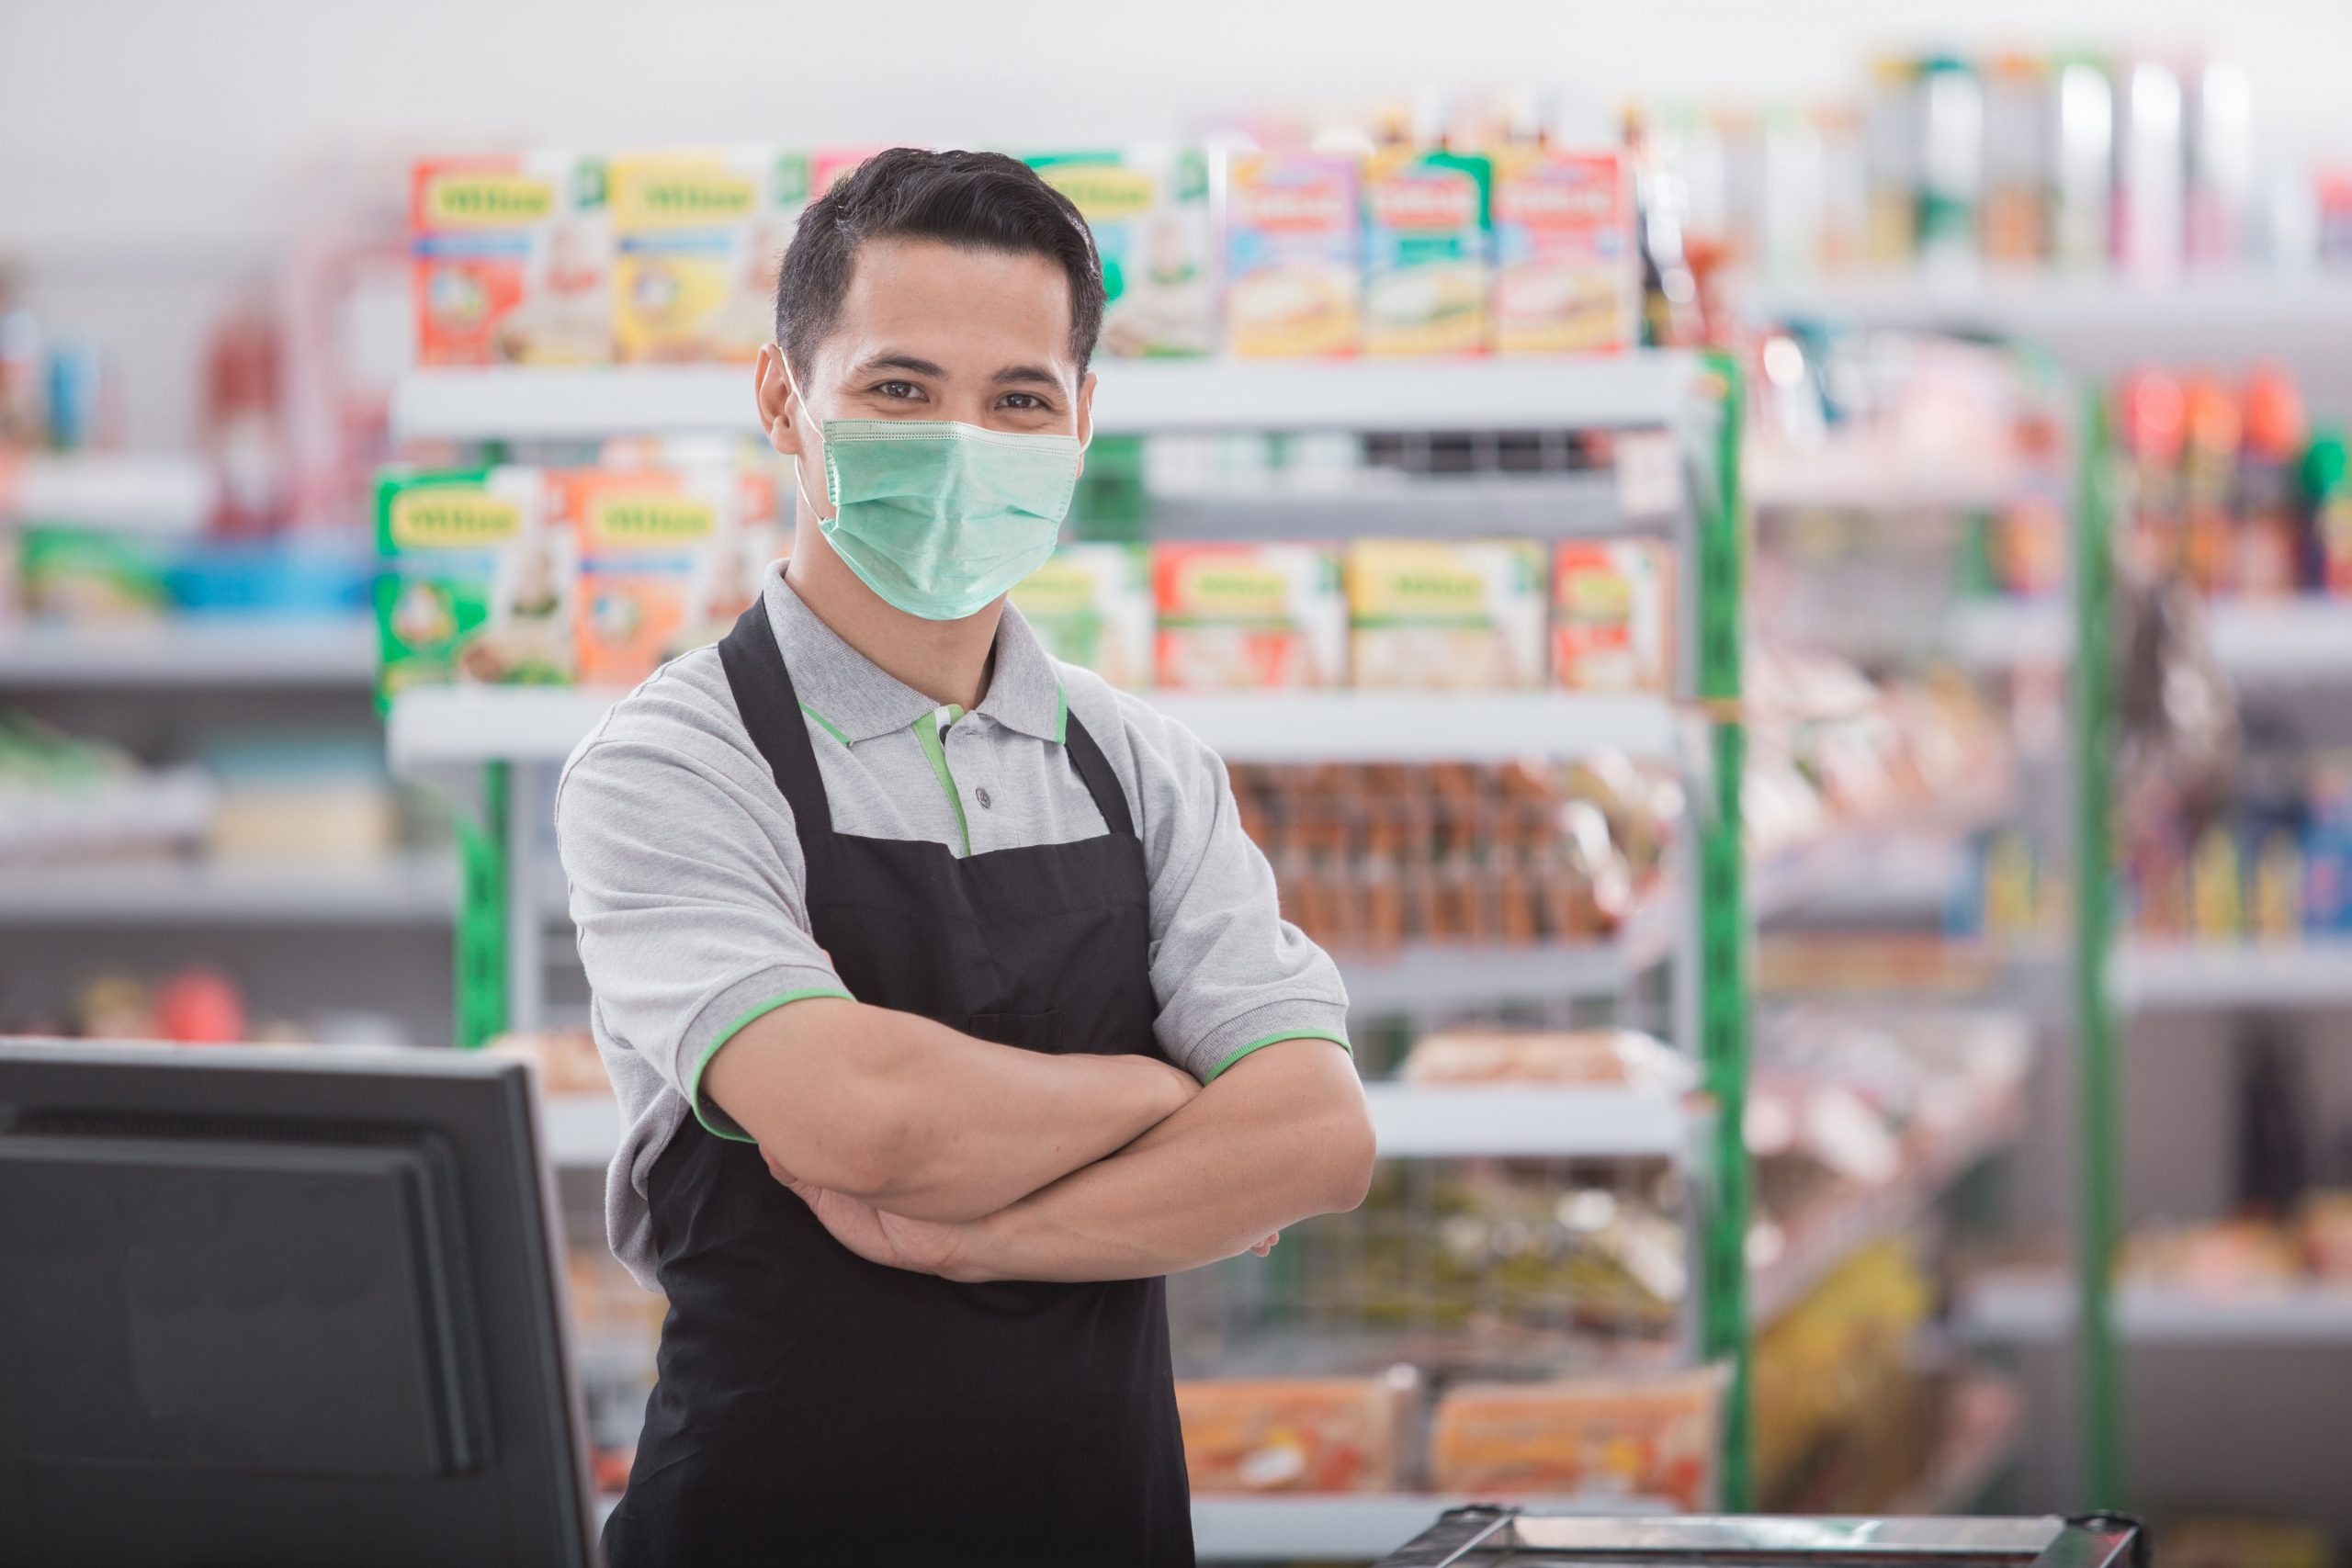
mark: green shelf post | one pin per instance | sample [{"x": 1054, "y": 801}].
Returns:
[
  {"x": 481, "y": 914},
  {"x": 2098, "y": 1224},
  {"x": 1723, "y": 922}
]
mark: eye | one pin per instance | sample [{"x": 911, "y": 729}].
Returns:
[
  {"x": 898, "y": 389},
  {"x": 1026, "y": 402}
]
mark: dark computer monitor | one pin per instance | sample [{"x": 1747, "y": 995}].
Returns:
[{"x": 264, "y": 1307}]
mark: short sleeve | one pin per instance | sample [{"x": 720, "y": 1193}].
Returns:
[
  {"x": 688, "y": 896},
  {"x": 1229, "y": 974}
]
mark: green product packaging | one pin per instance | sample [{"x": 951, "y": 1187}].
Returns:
[
  {"x": 1090, "y": 604},
  {"x": 476, "y": 585},
  {"x": 1148, "y": 209}
]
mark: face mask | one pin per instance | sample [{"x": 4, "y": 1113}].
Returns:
[{"x": 941, "y": 518}]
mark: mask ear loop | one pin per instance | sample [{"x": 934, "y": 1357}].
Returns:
[{"x": 800, "y": 465}]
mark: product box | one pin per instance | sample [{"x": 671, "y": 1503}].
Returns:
[
  {"x": 1426, "y": 251},
  {"x": 1651, "y": 1438},
  {"x": 511, "y": 260},
  {"x": 1090, "y": 604},
  {"x": 1294, "y": 1434},
  {"x": 1440, "y": 614},
  {"x": 1567, "y": 278},
  {"x": 1612, "y": 615},
  {"x": 1149, "y": 211},
  {"x": 476, "y": 583},
  {"x": 1292, "y": 255},
  {"x": 1249, "y": 618},
  {"x": 662, "y": 570},
  {"x": 697, "y": 237}
]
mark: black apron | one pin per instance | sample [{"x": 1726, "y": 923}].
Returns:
[{"x": 813, "y": 1407}]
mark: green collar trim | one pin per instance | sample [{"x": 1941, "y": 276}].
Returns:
[
  {"x": 1061, "y": 715},
  {"x": 828, "y": 724},
  {"x": 927, "y": 736}
]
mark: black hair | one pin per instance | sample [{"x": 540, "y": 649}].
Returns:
[{"x": 974, "y": 200}]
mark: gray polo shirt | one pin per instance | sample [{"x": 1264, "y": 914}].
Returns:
[{"x": 687, "y": 880}]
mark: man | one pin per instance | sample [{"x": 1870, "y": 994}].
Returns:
[{"x": 948, "y": 1004}]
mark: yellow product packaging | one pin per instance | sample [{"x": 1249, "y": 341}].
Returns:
[
  {"x": 1612, "y": 615},
  {"x": 1293, "y": 282},
  {"x": 511, "y": 260},
  {"x": 697, "y": 236},
  {"x": 1437, "y": 613},
  {"x": 660, "y": 566},
  {"x": 1249, "y": 618},
  {"x": 1426, "y": 251},
  {"x": 1090, "y": 604},
  {"x": 476, "y": 582},
  {"x": 1148, "y": 209},
  {"x": 1567, "y": 278}
]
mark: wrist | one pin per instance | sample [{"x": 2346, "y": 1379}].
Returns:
[{"x": 972, "y": 1255}]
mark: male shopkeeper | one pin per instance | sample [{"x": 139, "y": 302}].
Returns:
[{"x": 947, "y": 1002}]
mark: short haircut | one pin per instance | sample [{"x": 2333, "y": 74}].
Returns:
[{"x": 982, "y": 201}]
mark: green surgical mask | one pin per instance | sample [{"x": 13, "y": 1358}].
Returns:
[{"x": 941, "y": 518}]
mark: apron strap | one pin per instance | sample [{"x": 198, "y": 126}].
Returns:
[
  {"x": 1101, "y": 782},
  {"x": 771, "y": 713}
]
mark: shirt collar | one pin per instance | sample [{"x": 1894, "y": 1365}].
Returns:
[{"x": 860, "y": 700}]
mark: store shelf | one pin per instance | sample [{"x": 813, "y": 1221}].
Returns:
[
  {"x": 458, "y": 724},
  {"x": 1538, "y": 506},
  {"x": 2151, "y": 975},
  {"x": 2306, "y": 640},
  {"x": 2021, "y": 1305},
  {"x": 165, "y": 493},
  {"x": 1607, "y": 392},
  {"x": 1227, "y": 1530},
  {"x": 2035, "y": 304},
  {"x": 418, "y": 888},
  {"x": 1890, "y": 873},
  {"x": 1859, "y": 476},
  {"x": 192, "y": 652}
]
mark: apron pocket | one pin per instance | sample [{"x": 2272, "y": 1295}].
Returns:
[{"x": 1028, "y": 1031}]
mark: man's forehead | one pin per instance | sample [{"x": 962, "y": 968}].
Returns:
[{"x": 960, "y": 310}]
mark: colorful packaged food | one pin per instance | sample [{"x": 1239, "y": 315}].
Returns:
[
  {"x": 1090, "y": 604},
  {"x": 1612, "y": 615},
  {"x": 1292, "y": 255},
  {"x": 1650, "y": 1437},
  {"x": 1566, "y": 276},
  {"x": 1426, "y": 255},
  {"x": 511, "y": 260},
  {"x": 1294, "y": 1434},
  {"x": 1430, "y": 613},
  {"x": 476, "y": 582},
  {"x": 1607, "y": 1058},
  {"x": 1248, "y": 616},
  {"x": 698, "y": 236},
  {"x": 661, "y": 567},
  {"x": 1148, "y": 209}
]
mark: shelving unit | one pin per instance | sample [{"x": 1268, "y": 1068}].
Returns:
[
  {"x": 2291, "y": 642},
  {"x": 410, "y": 889},
  {"x": 192, "y": 653},
  {"x": 2027, "y": 1305},
  {"x": 143, "y": 492}
]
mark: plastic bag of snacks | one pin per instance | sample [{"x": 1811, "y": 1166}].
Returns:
[
  {"x": 1652, "y": 1438},
  {"x": 1295, "y": 1434}
]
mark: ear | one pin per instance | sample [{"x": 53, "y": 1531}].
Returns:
[
  {"x": 1085, "y": 418},
  {"x": 779, "y": 408}
]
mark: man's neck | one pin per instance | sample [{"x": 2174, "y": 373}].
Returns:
[{"x": 947, "y": 661}]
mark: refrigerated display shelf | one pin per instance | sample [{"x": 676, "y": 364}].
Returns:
[
  {"x": 1603, "y": 392},
  {"x": 193, "y": 652},
  {"x": 141, "y": 492},
  {"x": 2152, "y": 975},
  {"x": 460, "y": 725},
  {"x": 418, "y": 888},
  {"x": 2029, "y": 1305},
  {"x": 2303, "y": 640}
]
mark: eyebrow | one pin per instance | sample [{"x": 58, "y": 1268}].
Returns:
[
  {"x": 905, "y": 362},
  {"x": 1026, "y": 375}
]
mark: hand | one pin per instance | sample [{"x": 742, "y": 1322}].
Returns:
[
  {"x": 920, "y": 1247},
  {"x": 1263, "y": 1248}
]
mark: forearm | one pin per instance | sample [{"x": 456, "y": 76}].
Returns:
[
  {"x": 1280, "y": 1138},
  {"x": 922, "y": 1120}
]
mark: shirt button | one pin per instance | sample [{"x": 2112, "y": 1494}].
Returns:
[{"x": 981, "y": 795}]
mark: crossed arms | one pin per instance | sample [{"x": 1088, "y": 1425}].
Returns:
[{"x": 921, "y": 1148}]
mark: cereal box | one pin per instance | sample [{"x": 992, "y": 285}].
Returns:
[
  {"x": 511, "y": 260},
  {"x": 697, "y": 236},
  {"x": 1248, "y": 616},
  {"x": 476, "y": 583},
  {"x": 1433, "y": 613},
  {"x": 1292, "y": 255},
  {"x": 658, "y": 574},
  {"x": 1566, "y": 278},
  {"x": 1612, "y": 615},
  {"x": 1090, "y": 604},
  {"x": 1425, "y": 217},
  {"x": 1150, "y": 212}
]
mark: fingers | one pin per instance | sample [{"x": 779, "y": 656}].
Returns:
[{"x": 1263, "y": 1248}]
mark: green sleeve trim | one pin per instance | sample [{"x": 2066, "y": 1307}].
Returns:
[
  {"x": 694, "y": 1085},
  {"x": 1061, "y": 715},
  {"x": 1339, "y": 1039},
  {"x": 828, "y": 726},
  {"x": 927, "y": 733}
]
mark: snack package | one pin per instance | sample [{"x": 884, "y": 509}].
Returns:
[
  {"x": 1429, "y": 613},
  {"x": 1092, "y": 604},
  {"x": 1650, "y": 1437},
  {"x": 1602, "y": 1058},
  {"x": 1149, "y": 211},
  {"x": 1295, "y": 1434},
  {"x": 511, "y": 260},
  {"x": 660, "y": 566},
  {"x": 1426, "y": 251},
  {"x": 476, "y": 583},
  {"x": 697, "y": 237},
  {"x": 1292, "y": 255},
  {"x": 1249, "y": 618},
  {"x": 1566, "y": 276},
  {"x": 1612, "y": 615}
]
